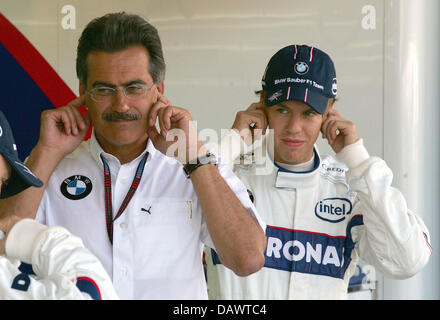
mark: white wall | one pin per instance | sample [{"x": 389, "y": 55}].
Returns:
[
  {"x": 412, "y": 132},
  {"x": 216, "y": 52}
]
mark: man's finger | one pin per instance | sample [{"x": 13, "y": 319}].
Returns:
[
  {"x": 166, "y": 117},
  {"x": 161, "y": 103},
  {"x": 78, "y": 102},
  {"x": 331, "y": 130},
  {"x": 162, "y": 122},
  {"x": 328, "y": 119},
  {"x": 152, "y": 115},
  {"x": 156, "y": 138},
  {"x": 334, "y": 127},
  {"x": 324, "y": 126},
  {"x": 70, "y": 111},
  {"x": 64, "y": 122},
  {"x": 162, "y": 98},
  {"x": 78, "y": 119},
  {"x": 255, "y": 106},
  {"x": 153, "y": 134},
  {"x": 87, "y": 119},
  {"x": 258, "y": 123}
]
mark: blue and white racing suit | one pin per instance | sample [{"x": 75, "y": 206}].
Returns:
[
  {"x": 319, "y": 223},
  {"x": 57, "y": 266}
]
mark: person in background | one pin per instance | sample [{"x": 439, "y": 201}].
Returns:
[
  {"x": 323, "y": 213},
  {"x": 64, "y": 268}
]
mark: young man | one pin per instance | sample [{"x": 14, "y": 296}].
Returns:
[
  {"x": 64, "y": 268},
  {"x": 322, "y": 213},
  {"x": 135, "y": 208}
]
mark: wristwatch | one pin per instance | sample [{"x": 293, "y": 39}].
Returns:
[{"x": 208, "y": 158}]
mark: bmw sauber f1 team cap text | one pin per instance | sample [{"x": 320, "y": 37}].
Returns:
[
  {"x": 21, "y": 177},
  {"x": 300, "y": 73}
]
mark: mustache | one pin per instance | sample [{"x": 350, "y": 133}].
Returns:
[{"x": 112, "y": 116}]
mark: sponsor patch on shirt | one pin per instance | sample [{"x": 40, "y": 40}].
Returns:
[
  {"x": 305, "y": 252},
  {"x": 308, "y": 252},
  {"x": 333, "y": 209},
  {"x": 76, "y": 187}
]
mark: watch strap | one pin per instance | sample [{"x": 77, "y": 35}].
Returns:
[{"x": 190, "y": 167}]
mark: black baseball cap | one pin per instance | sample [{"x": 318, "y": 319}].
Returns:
[
  {"x": 301, "y": 73},
  {"x": 21, "y": 177}
]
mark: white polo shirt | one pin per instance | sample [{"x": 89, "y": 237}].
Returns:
[{"x": 157, "y": 241}]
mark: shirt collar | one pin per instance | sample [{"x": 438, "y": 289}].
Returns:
[{"x": 96, "y": 151}]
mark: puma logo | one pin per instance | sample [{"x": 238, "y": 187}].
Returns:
[{"x": 146, "y": 210}]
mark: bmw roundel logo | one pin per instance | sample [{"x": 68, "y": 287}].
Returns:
[
  {"x": 301, "y": 68},
  {"x": 76, "y": 187}
]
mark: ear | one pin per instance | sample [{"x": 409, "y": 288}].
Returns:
[
  {"x": 7, "y": 173},
  {"x": 263, "y": 102},
  {"x": 330, "y": 105},
  {"x": 161, "y": 87}
]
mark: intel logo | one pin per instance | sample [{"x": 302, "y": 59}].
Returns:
[{"x": 333, "y": 209}]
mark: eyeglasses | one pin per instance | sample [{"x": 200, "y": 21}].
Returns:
[{"x": 132, "y": 92}]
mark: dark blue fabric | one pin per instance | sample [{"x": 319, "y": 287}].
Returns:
[
  {"x": 26, "y": 268},
  {"x": 88, "y": 286},
  {"x": 22, "y": 101}
]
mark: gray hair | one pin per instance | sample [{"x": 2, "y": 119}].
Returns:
[{"x": 118, "y": 31}]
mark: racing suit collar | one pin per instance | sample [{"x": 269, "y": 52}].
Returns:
[{"x": 291, "y": 179}]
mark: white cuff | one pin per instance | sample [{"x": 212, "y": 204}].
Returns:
[
  {"x": 21, "y": 238},
  {"x": 354, "y": 154}
]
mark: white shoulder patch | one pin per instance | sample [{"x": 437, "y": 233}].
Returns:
[{"x": 333, "y": 170}]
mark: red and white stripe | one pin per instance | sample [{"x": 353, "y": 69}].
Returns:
[
  {"x": 427, "y": 242},
  {"x": 296, "y": 51},
  {"x": 306, "y": 95},
  {"x": 288, "y": 93},
  {"x": 311, "y": 54}
]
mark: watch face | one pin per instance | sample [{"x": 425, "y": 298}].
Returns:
[{"x": 209, "y": 158}]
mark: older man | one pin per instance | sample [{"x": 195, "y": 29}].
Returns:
[{"x": 145, "y": 215}]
